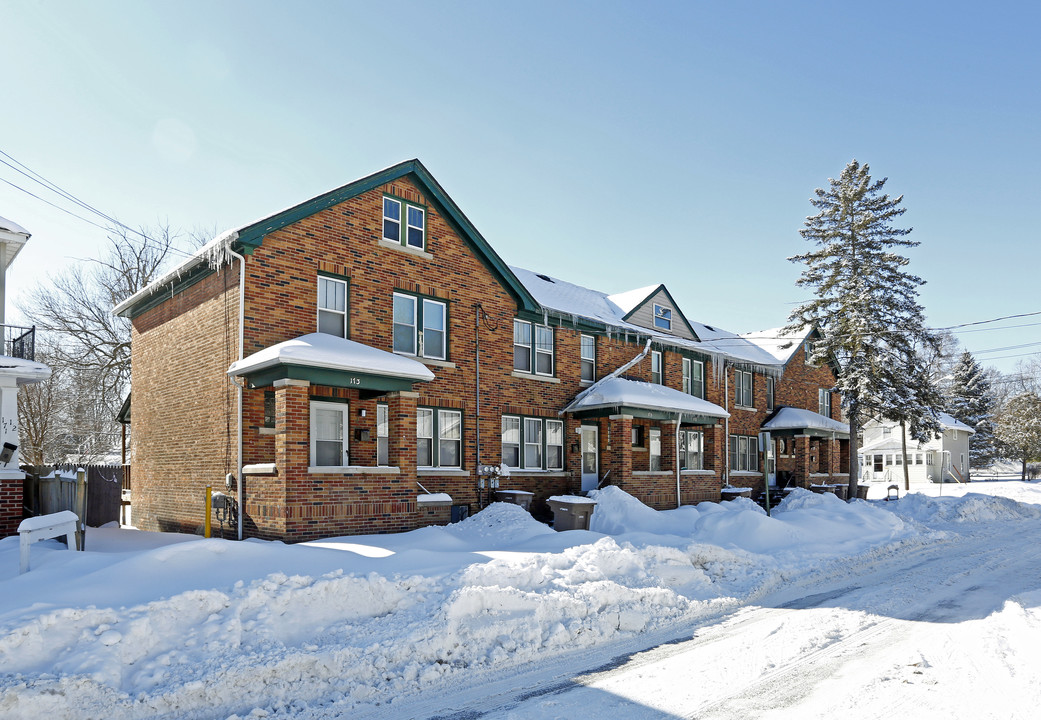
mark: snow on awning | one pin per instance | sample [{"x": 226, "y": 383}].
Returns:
[
  {"x": 329, "y": 360},
  {"x": 789, "y": 418},
  {"x": 643, "y": 399},
  {"x": 25, "y": 372}
]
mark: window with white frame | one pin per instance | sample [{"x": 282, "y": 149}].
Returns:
[
  {"x": 697, "y": 378},
  {"x": 886, "y": 431},
  {"x": 414, "y": 235},
  {"x": 532, "y": 348},
  {"x": 654, "y": 448},
  {"x": 662, "y": 317},
  {"x": 382, "y": 435},
  {"x": 743, "y": 388},
  {"x": 769, "y": 393},
  {"x": 685, "y": 372},
  {"x": 332, "y": 306},
  {"x": 824, "y": 401},
  {"x": 439, "y": 438},
  {"x": 691, "y": 449},
  {"x": 532, "y": 443},
  {"x": 744, "y": 453},
  {"x": 420, "y": 326},
  {"x": 587, "y": 353},
  {"x": 656, "y": 367},
  {"x": 808, "y": 351},
  {"x": 329, "y": 434}
]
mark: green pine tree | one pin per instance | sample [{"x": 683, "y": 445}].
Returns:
[{"x": 865, "y": 304}]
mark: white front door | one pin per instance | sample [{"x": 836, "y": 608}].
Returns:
[{"x": 590, "y": 457}]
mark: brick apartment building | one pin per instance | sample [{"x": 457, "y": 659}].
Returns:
[{"x": 381, "y": 353}]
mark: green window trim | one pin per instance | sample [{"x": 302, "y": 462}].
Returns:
[{"x": 404, "y": 222}]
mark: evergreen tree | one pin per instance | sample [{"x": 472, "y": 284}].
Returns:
[
  {"x": 1019, "y": 428},
  {"x": 971, "y": 400},
  {"x": 865, "y": 304}
]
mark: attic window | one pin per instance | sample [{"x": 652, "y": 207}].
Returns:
[
  {"x": 662, "y": 317},
  {"x": 547, "y": 278}
]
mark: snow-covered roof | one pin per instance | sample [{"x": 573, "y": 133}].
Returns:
[
  {"x": 618, "y": 392},
  {"x": 631, "y": 298},
  {"x": 774, "y": 341},
  {"x": 14, "y": 236},
  {"x": 26, "y": 371},
  {"x": 952, "y": 423},
  {"x": 12, "y": 227},
  {"x": 789, "y": 418},
  {"x": 319, "y": 350},
  {"x": 569, "y": 299}
]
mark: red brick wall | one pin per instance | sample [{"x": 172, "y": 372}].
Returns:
[{"x": 181, "y": 354}]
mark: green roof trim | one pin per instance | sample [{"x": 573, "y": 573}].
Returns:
[
  {"x": 252, "y": 236},
  {"x": 328, "y": 377}
]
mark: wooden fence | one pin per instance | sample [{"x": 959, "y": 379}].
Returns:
[{"x": 43, "y": 494}]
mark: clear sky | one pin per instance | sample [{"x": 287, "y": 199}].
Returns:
[{"x": 613, "y": 144}]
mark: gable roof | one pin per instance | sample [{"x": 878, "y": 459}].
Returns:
[
  {"x": 247, "y": 238},
  {"x": 632, "y": 300},
  {"x": 599, "y": 311}
]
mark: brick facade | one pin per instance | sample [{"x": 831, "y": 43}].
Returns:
[{"x": 184, "y": 403}]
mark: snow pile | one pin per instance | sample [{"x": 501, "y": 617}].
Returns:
[
  {"x": 209, "y": 628},
  {"x": 972, "y": 507}
]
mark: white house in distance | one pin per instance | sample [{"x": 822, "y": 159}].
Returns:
[{"x": 944, "y": 458}]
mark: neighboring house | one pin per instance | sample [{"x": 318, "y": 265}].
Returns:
[
  {"x": 944, "y": 458},
  {"x": 387, "y": 356}
]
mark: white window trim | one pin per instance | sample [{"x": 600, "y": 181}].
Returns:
[
  {"x": 419, "y": 314},
  {"x": 824, "y": 402},
  {"x": 699, "y": 453},
  {"x": 344, "y": 409},
  {"x": 739, "y": 390},
  {"x": 697, "y": 378},
  {"x": 653, "y": 438},
  {"x": 421, "y": 326},
  {"x": 382, "y": 409},
  {"x": 408, "y": 226},
  {"x": 585, "y": 360},
  {"x": 399, "y": 221},
  {"x": 687, "y": 382},
  {"x": 552, "y": 350},
  {"x": 771, "y": 388},
  {"x": 530, "y": 344},
  {"x": 663, "y": 313},
  {"x": 522, "y": 443},
  {"x": 657, "y": 359},
  {"x": 436, "y": 437}
]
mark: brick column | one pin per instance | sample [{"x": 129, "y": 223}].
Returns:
[
  {"x": 619, "y": 457},
  {"x": 715, "y": 450},
  {"x": 401, "y": 414},
  {"x": 801, "y": 445},
  {"x": 269, "y": 499}
]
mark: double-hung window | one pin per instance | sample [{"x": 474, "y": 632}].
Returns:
[
  {"x": 662, "y": 317},
  {"x": 743, "y": 388},
  {"x": 744, "y": 453},
  {"x": 382, "y": 435},
  {"x": 769, "y": 393},
  {"x": 657, "y": 376},
  {"x": 654, "y": 448},
  {"x": 694, "y": 377},
  {"x": 420, "y": 326},
  {"x": 532, "y": 348},
  {"x": 329, "y": 434},
  {"x": 532, "y": 443},
  {"x": 332, "y": 306},
  {"x": 439, "y": 438},
  {"x": 414, "y": 235},
  {"x": 587, "y": 352},
  {"x": 691, "y": 449},
  {"x": 824, "y": 402}
]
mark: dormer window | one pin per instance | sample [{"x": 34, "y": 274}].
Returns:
[{"x": 662, "y": 317}]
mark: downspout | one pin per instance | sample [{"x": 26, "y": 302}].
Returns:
[
  {"x": 477, "y": 392},
  {"x": 726, "y": 427},
  {"x": 242, "y": 324},
  {"x": 676, "y": 455}
]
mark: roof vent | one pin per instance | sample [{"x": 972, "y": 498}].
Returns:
[
  {"x": 547, "y": 278},
  {"x": 710, "y": 328}
]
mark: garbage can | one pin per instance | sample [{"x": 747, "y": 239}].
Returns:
[
  {"x": 515, "y": 497},
  {"x": 571, "y": 512},
  {"x": 730, "y": 492}
]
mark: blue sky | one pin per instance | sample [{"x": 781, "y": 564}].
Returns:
[{"x": 612, "y": 144}]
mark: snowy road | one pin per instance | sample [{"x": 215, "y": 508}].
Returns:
[{"x": 951, "y": 630}]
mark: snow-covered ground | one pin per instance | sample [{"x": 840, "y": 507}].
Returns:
[{"x": 926, "y": 606}]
